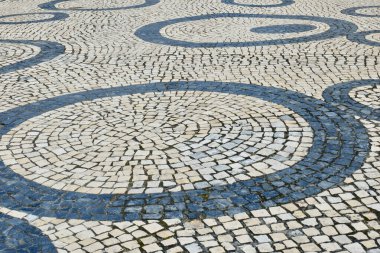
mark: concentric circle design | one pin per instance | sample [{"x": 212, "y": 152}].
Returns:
[
  {"x": 146, "y": 143},
  {"x": 255, "y": 4},
  {"x": 157, "y": 32},
  {"x": 18, "y": 236},
  {"x": 363, "y": 11},
  {"x": 48, "y": 50},
  {"x": 339, "y": 147},
  {"x": 102, "y": 6},
  {"x": 364, "y": 38},
  {"x": 30, "y": 18},
  {"x": 342, "y": 94}
]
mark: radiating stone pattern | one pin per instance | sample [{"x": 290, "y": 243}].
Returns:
[
  {"x": 155, "y": 142},
  {"x": 178, "y": 141}
]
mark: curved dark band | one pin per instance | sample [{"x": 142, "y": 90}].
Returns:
[
  {"x": 18, "y": 235},
  {"x": 353, "y": 11},
  {"x": 283, "y": 29},
  {"x": 282, "y": 4},
  {"x": 51, "y": 5},
  {"x": 56, "y": 16},
  {"x": 339, "y": 95},
  {"x": 48, "y": 51},
  {"x": 340, "y": 146},
  {"x": 151, "y": 32},
  {"x": 360, "y": 37}
]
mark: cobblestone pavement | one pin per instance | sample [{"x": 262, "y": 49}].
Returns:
[{"x": 190, "y": 126}]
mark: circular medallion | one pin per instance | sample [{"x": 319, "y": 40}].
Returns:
[
  {"x": 321, "y": 167},
  {"x": 241, "y": 30},
  {"x": 145, "y": 143}
]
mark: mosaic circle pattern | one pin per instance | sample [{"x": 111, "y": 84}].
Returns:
[
  {"x": 148, "y": 143},
  {"x": 324, "y": 166},
  {"x": 18, "y": 236},
  {"x": 195, "y": 32},
  {"x": 350, "y": 95},
  {"x": 99, "y": 5},
  {"x": 29, "y": 18},
  {"x": 363, "y": 11},
  {"x": 47, "y": 51}
]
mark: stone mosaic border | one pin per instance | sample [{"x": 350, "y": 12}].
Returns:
[
  {"x": 151, "y": 32},
  {"x": 282, "y": 4},
  {"x": 49, "y": 50},
  {"x": 51, "y": 5},
  {"x": 19, "y": 236},
  {"x": 339, "y": 95},
  {"x": 56, "y": 16},
  {"x": 340, "y": 146}
]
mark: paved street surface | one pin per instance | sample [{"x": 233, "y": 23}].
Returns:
[{"x": 190, "y": 126}]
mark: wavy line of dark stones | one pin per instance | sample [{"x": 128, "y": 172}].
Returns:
[
  {"x": 360, "y": 37},
  {"x": 56, "y": 16},
  {"x": 282, "y": 4},
  {"x": 339, "y": 95},
  {"x": 51, "y": 5},
  {"x": 354, "y": 11},
  {"x": 48, "y": 51}
]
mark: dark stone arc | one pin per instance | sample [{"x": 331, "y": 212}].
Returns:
[
  {"x": 340, "y": 146},
  {"x": 354, "y": 11},
  {"x": 282, "y": 4},
  {"x": 56, "y": 16},
  {"x": 18, "y": 235},
  {"x": 48, "y": 51},
  {"x": 339, "y": 95},
  {"x": 360, "y": 37},
  {"x": 151, "y": 32},
  {"x": 290, "y": 28},
  {"x": 51, "y": 5}
]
